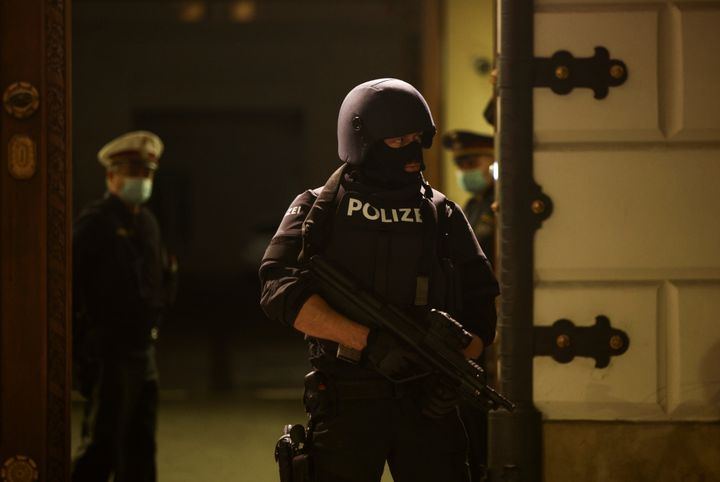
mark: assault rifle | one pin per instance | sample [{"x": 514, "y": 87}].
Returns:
[{"x": 438, "y": 342}]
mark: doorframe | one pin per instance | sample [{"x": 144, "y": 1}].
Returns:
[
  {"x": 57, "y": 142},
  {"x": 515, "y": 438},
  {"x": 431, "y": 26}
]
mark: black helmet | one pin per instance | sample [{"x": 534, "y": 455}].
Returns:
[{"x": 379, "y": 109}]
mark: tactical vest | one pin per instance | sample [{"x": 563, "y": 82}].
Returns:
[{"x": 394, "y": 243}]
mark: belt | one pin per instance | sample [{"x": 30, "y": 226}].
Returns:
[{"x": 368, "y": 389}]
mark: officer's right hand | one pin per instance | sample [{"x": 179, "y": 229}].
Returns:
[{"x": 391, "y": 358}]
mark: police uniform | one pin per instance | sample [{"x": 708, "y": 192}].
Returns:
[
  {"x": 479, "y": 208},
  {"x": 388, "y": 235},
  {"x": 120, "y": 289},
  {"x": 481, "y": 216}
]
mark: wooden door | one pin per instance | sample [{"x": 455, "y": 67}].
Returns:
[{"x": 35, "y": 242}]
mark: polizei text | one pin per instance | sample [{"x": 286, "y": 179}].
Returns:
[{"x": 389, "y": 215}]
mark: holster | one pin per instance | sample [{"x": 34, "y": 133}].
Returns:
[
  {"x": 291, "y": 455},
  {"x": 283, "y": 457}
]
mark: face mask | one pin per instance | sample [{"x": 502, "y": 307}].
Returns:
[
  {"x": 386, "y": 165},
  {"x": 135, "y": 190},
  {"x": 472, "y": 180}
]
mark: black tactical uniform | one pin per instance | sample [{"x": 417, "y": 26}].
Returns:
[
  {"x": 385, "y": 229},
  {"x": 119, "y": 294}
]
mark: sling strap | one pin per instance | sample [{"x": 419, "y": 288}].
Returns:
[{"x": 315, "y": 227}]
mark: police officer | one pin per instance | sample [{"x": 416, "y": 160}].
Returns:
[
  {"x": 120, "y": 288},
  {"x": 474, "y": 158},
  {"x": 390, "y": 230}
]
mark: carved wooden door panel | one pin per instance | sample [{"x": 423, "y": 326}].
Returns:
[{"x": 35, "y": 241}]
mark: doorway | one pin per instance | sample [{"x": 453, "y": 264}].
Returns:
[{"x": 246, "y": 107}]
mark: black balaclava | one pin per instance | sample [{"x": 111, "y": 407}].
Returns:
[{"x": 384, "y": 165}]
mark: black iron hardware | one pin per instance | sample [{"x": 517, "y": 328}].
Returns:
[
  {"x": 563, "y": 72},
  {"x": 541, "y": 206},
  {"x": 564, "y": 341}
]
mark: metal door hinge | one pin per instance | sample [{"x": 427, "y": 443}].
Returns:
[
  {"x": 563, "y": 72},
  {"x": 564, "y": 341}
]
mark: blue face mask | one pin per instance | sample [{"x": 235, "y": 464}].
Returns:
[
  {"x": 472, "y": 180},
  {"x": 135, "y": 190}
]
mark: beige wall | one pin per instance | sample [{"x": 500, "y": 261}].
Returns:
[
  {"x": 632, "y": 452},
  {"x": 468, "y": 36},
  {"x": 633, "y": 236}
]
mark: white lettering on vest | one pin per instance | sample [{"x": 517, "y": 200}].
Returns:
[
  {"x": 366, "y": 212},
  {"x": 384, "y": 215},
  {"x": 406, "y": 215},
  {"x": 354, "y": 205}
]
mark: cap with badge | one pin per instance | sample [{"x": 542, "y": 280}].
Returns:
[
  {"x": 137, "y": 146},
  {"x": 466, "y": 143}
]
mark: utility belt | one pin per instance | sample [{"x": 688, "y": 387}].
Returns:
[
  {"x": 369, "y": 389},
  {"x": 323, "y": 391}
]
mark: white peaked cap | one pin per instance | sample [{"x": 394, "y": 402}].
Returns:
[{"x": 135, "y": 146}]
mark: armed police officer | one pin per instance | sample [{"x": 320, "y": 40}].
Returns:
[
  {"x": 378, "y": 220},
  {"x": 121, "y": 285}
]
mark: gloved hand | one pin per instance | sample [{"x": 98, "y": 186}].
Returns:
[
  {"x": 439, "y": 398},
  {"x": 391, "y": 358}
]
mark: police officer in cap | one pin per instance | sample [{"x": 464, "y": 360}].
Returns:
[
  {"x": 474, "y": 158},
  {"x": 121, "y": 285},
  {"x": 390, "y": 230}
]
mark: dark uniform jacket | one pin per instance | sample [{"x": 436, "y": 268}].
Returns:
[
  {"x": 118, "y": 280},
  {"x": 483, "y": 221},
  {"x": 385, "y": 239}
]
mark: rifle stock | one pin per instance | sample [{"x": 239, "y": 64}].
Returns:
[{"x": 439, "y": 344}]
